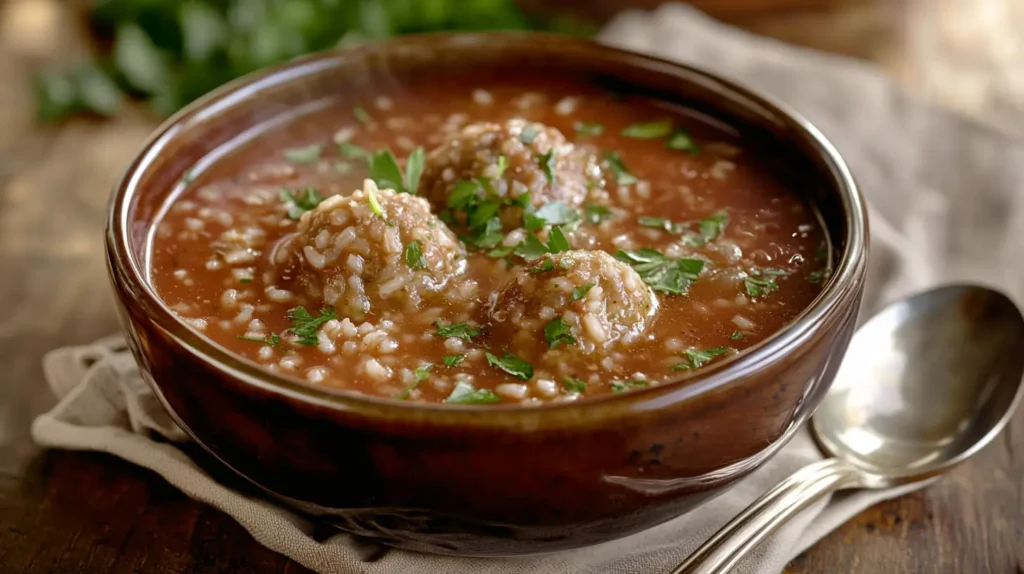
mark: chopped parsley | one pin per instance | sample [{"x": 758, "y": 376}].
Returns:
[
  {"x": 414, "y": 255},
  {"x": 712, "y": 227},
  {"x": 736, "y": 336},
  {"x": 351, "y": 150},
  {"x": 682, "y": 141},
  {"x": 543, "y": 266},
  {"x": 453, "y": 360},
  {"x": 304, "y": 325},
  {"x": 623, "y": 386},
  {"x": 588, "y": 129},
  {"x": 361, "y": 115},
  {"x": 597, "y": 213},
  {"x": 708, "y": 228},
  {"x": 384, "y": 170},
  {"x": 558, "y": 331},
  {"x": 413, "y": 170},
  {"x": 762, "y": 281},
  {"x": 553, "y": 213},
  {"x": 465, "y": 394},
  {"x": 657, "y": 223},
  {"x": 502, "y": 166},
  {"x": 532, "y": 248},
  {"x": 581, "y": 291},
  {"x": 274, "y": 340},
  {"x": 457, "y": 330},
  {"x": 511, "y": 364},
  {"x": 482, "y": 218},
  {"x": 499, "y": 252},
  {"x": 421, "y": 375},
  {"x": 547, "y": 163},
  {"x": 304, "y": 155},
  {"x": 696, "y": 359},
  {"x": 574, "y": 385},
  {"x": 817, "y": 276},
  {"x": 648, "y": 130},
  {"x": 301, "y": 202},
  {"x": 529, "y": 134},
  {"x": 661, "y": 272},
  {"x": 622, "y": 174},
  {"x": 371, "y": 197}
]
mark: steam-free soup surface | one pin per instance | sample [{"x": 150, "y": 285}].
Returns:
[{"x": 491, "y": 241}]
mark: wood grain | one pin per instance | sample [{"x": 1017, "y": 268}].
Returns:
[{"x": 87, "y": 512}]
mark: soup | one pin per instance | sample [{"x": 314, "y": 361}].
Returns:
[{"x": 492, "y": 240}]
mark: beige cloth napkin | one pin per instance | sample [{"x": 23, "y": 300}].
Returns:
[{"x": 947, "y": 200}]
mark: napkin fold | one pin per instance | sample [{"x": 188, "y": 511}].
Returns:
[{"x": 947, "y": 203}]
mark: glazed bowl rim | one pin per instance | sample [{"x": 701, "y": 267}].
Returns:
[{"x": 128, "y": 271}]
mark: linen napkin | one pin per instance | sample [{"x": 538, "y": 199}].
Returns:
[{"x": 925, "y": 173}]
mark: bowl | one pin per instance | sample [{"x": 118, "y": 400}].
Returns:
[{"x": 483, "y": 480}]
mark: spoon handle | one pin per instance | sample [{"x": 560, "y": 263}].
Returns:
[{"x": 720, "y": 553}]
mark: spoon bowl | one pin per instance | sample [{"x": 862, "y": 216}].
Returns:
[{"x": 926, "y": 383}]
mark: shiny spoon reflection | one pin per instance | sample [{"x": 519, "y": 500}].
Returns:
[{"x": 926, "y": 383}]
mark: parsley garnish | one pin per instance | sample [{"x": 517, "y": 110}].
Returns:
[
  {"x": 712, "y": 227},
  {"x": 305, "y": 154},
  {"x": 558, "y": 331},
  {"x": 762, "y": 281},
  {"x": 543, "y": 266},
  {"x": 499, "y": 252},
  {"x": 502, "y": 166},
  {"x": 421, "y": 375},
  {"x": 581, "y": 291},
  {"x": 648, "y": 131},
  {"x": 709, "y": 227},
  {"x": 736, "y": 336},
  {"x": 273, "y": 340},
  {"x": 553, "y": 213},
  {"x": 304, "y": 325},
  {"x": 557, "y": 243},
  {"x": 361, "y": 115},
  {"x": 588, "y": 129},
  {"x": 384, "y": 170},
  {"x": 532, "y": 248},
  {"x": 529, "y": 134},
  {"x": 547, "y": 163},
  {"x": 465, "y": 394},
  {"x": 817, "y": 276},
  {"x": 371, "y": 197},
  {"x": 574, "y": 385},
  {"x": 413, "y": 170},
  {"x": 657, "y": 223},
  {"x": 458, "y": 330},
  {"x": 623, "y": 386},
  {"x": 597, "y": 213},
  {"x": 453, "y": 360},
  {"x": 414, "y": 255},
  {"x": 622, "y": 174},
  {"x": 303, "y": 201},
  {"x": 661, "y": 272},
  {"x": 696, "y": 359},
  {"x": 682, "y": 141},
  {"x": 511, "y": 364},
  {"x": 351, "y": 150}
]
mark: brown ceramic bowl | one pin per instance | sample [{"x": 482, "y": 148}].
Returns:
[{"x": 488, "y": 480}]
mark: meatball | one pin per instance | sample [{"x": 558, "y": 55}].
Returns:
[
  {"x": 537, "y": 160},
  {"x": 376, "y": 250},
  {"x": 582, "y": 301}
]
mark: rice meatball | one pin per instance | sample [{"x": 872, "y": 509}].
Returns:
[
  {"x": 377, "y": 250},
  {"x": 537, "y": 160},
  {"x": 580, "y": 301}
]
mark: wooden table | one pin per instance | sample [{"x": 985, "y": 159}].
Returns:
[{"x": 83, "y": 512}]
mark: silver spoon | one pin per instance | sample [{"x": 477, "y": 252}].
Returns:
[{"x": 926, "y": 383}]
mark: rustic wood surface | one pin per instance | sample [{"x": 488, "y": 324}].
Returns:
[{"x": 84, "y": 512}]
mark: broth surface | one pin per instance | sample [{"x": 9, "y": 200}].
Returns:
[{"x": 236, "y": 256}]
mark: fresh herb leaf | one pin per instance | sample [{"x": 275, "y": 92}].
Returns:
[
  {"x": 463, "y": 195},
  {"x": 543, "y": 267},
  {"x": 413, "y": 170},
  {"x": 558, "y": 331},
  {"x": 712, "y": 227},
  {"x": 736, "y": 336},
  {"x": 648, "y": 130},
  {"x": 547, "y": 164},
  {"x": 351, "y": 150},
  {"x": 423, "y": 372},
  {"x": 762, "y": 281},
  {"x": 529, "y": 134},
  {"x": 574, "y": 385},
  {"x": 502, "y": 166},
  {"x": 597, "y": 213},
  {"x": 622, "y": 174},
  {"x": 696, "y": 359},
  {"x": 362, "y": 115},
  {"x": 581, "y": 291},
  {"x": 588, "y": 129},
  {"x": 465, "y": 394},
  {"x": 304, "y": 325},
  {"x": 553, "y": 213},
  {"x": 384, "y": 170},
  {"x": 531, "y": 248},
  {"x": 274, "y": 340},
  {"x": 511, "y": 364},
  {"x": 453, "y": 360},
  {"x": 682, "y": 141},
  {"x": 557, "y": 243},
  {"x": 499, "y": 252},
  {"x": 371, "y": 197},
  {"x": 656, "y": 222},
  {"x": 245, "y": 280},
  {"x": 301, "y": 202},
  {"x": 623, "y": 386},
  {"x": 661, "y": 272},
  {"x": 457, "y": 330},
  {"x": 817, "y": 277},
  {"x": 304, "y": 155},
  {"x": 414, "y": 258}
]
